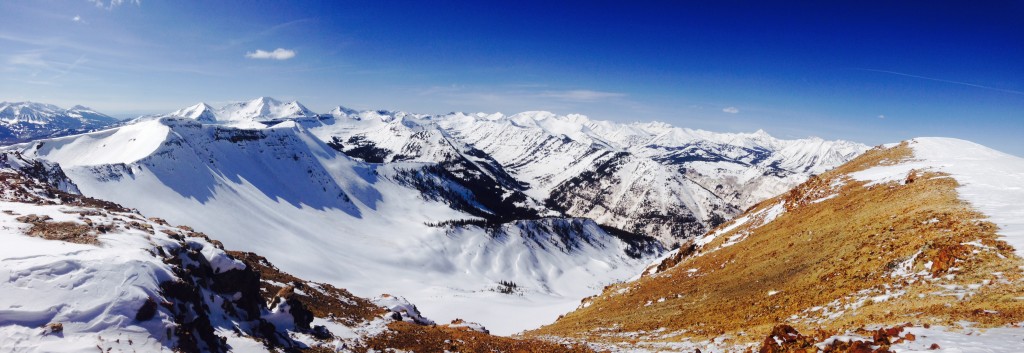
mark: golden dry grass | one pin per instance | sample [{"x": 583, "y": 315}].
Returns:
[
  {"x": 44, "y": 227},
  {"x": 416, "y": 338},
  {"x": 822, "y": 258}
]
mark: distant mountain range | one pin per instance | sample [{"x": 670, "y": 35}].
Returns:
[
  {"x": 23, "y": 121},
  {"x": 259, "y": 110},
  {"x": 645, "y": 178},
  {"x": 555, "y": 164}
]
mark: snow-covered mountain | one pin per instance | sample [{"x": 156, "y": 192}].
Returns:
[
  {"x": 201, "y": 112},
  {"x": 558, "y": 205},
  {"x": 84, "y": 274},
  {"x": 405, "y": 228},
  {"x": 651, "y": 179},
  {"x": 252, "y": 113},
  {"x": 911, "y": 247},
  {"x": 22, "y": 121}
]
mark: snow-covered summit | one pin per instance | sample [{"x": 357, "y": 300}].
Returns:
[
  {"x": 260, "y": 111},
  {"x": 263, "y": 109},
  {"x": 200, "y": 112}
]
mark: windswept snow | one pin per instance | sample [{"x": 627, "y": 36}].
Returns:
[
  {"x": 122, "y": 145},
  {"x": 93, "y": 291}
]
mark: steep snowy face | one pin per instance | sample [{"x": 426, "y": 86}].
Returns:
[
  {"x": 21, "y": 121},
  {"x": 281, "y": 191}
]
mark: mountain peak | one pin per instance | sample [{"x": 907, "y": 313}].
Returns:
[
  {"x": 265, "y": 100},
  {"x": 259, "y": 110},
  {"x": 342, "y": 111},
  {"x": 200, "y": 112}
]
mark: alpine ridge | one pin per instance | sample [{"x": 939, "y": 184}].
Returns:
[{"x": 909, "y": 247}]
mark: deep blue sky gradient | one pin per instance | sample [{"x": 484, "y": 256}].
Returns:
[{"x": 825, "y": 68}]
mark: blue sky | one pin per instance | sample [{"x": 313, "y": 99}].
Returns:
[{"x": 869, "y": 71}]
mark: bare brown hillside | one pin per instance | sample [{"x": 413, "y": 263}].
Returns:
[{"x": 840, "y": 256}]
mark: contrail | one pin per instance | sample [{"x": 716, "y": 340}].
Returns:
[{"x": 946, "y": 81}]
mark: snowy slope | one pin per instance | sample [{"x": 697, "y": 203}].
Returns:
[
  {"x": 94, "y": 283},
  {"x": 356, "y": 225},
  {"x": 83, "y": 275},
  {"x": 22, "y": 121}
]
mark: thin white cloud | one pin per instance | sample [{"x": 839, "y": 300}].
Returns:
[
  {"x": 881, "y": 116},
  {"x": 277, "y": 54},
  {"x": 33, "y": 59},
  {"x": 731, "y": 110},
  {"x": 581, "y": 95},
  {"x": 968, "y": 84},
  {"x": 110, "y": 4},
  {"x": 77, "y": 18}
]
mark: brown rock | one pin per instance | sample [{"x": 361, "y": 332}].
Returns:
[{"x": 54, "y": 327}]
